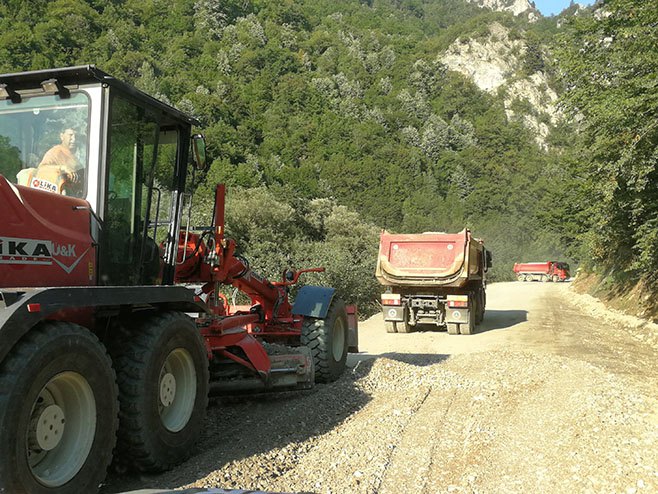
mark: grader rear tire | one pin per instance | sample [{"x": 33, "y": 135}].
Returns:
[
  {"x": 58, "y": 412},
  {"x": 162, "y": 371},
  {"x": 327, "y": 340}
]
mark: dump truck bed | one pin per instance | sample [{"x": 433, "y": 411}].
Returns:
[
  {"x": 532, "y": 267},
  {"x": 428, "y": 259}
]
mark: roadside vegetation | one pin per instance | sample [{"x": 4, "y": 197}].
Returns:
[
  {"x": 331, "y": 121},
  {"x": 608, "y": 70}
]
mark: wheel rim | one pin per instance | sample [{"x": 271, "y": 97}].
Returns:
[
  {"x": 338, "y": 340},
  {"x": 177, "y": 390},
  {"x": 62, "y": 428}
]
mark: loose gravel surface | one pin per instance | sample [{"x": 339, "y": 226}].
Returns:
[{"x": 553, "y": 394}]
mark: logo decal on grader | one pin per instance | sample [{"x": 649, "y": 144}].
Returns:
[
  {"x": 37, "y": 252},
  {"x": 40, "y": 183}
]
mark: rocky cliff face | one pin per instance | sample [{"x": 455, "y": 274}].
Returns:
[
  {"x": 495, "y": 63},
  {"x": 516, "y": 7}
]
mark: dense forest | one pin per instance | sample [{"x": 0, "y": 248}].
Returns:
[{"x": 331, "y": 120}]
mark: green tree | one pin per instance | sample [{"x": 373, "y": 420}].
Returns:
[{"x": 609, "y": 72}]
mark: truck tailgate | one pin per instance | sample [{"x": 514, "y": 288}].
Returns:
[{"x": 427, "y": 255}]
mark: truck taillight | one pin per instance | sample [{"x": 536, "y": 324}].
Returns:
[
  {"x": 391, "y": 299},
  {"x": 456, "y": 301}
]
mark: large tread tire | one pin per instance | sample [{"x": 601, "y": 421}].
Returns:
[
  {"x": 453, "y": 328},
  {"x": 60, "y": 374},
  {"x": 469, "y": 327},
  {"x": 480, "y": 298},
  {"x": 391, "y": 327},
  {"x": 327, "y": 339},
  {"x": 159, "y": 428}
]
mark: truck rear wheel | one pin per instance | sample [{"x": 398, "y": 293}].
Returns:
[
  {"x": 397, "y": 327},
  {"x": 403, "y": 326},
  {"x": 162, "y": 371},
  {"x": 58, "y": 412},
  {"x": 327, "y": 339},
  {"x": 453, "y": 328},
  {"x": 469, "y": 327},
  {"x": 475, "y": 307}
]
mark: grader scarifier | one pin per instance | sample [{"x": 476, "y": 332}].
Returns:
[{"x": 113, "y": 330}]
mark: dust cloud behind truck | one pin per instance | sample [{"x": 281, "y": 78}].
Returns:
[{"x": 434, "y": 279}]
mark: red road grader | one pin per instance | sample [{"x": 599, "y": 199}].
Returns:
[{"x": 113, "y": 330}]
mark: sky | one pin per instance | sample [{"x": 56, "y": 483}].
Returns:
[{"x": 550, "y": 7}]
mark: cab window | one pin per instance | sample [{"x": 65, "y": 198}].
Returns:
[{"x": 44, "y": 143}]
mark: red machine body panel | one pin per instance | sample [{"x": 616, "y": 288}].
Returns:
[{"x": 45, "y": 239}]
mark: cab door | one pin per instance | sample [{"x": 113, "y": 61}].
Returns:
[{"x": 131, "y": 253}]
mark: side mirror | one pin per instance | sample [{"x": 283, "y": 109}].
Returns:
[
  {"x": 199, "y": 152},
  {"x": 489, "y": 258}
]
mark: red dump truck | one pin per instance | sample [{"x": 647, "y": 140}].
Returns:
[
  {"x": 541, "y": 271},
  {"x": 432, "y": 278}
]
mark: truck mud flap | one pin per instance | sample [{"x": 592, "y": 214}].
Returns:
[
  {"x": 394, "y": 313},
  {"x": 460, "y": 316}
]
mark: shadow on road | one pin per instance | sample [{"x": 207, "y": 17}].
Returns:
[
  {"x": 501, "y": 319},
  {"x": 259, "y": 425},
  {"x": 493, "y": 319},
  {"x": 417, "y": 359}
]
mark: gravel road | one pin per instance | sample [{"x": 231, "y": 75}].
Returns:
[{"x": 554, "y": 394}]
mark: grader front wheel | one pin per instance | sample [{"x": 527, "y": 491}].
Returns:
[
  {"x": 162, "y": 371},
  {"x": 58, "y": 412},
  {"x": 327, "y": 340}
]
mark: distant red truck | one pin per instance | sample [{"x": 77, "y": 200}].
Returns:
[
  {"x": 542, "y": 271},
  {"x": 432, "y": 279}
]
